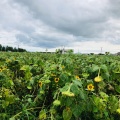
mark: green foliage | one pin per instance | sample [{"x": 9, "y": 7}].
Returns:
[
  {"x": 59, "y": 86},
  {"x": 67, "y": 114}
]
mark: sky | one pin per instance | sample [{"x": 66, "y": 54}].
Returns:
[{"x": 86, "y": 26}]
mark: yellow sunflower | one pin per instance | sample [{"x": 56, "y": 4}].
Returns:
[
  {"x": 118, "y": 110},
  {"x": 68, "y": 108},
  {"x": 0, "y": 70},
  {"x": 90, "y": 87},
  {"x": 40, "y": 83},
  {"x": 77, "y": 77},
  {"x": 63, "y": 66},
  {"x": 53, "y": 74},
  {"x": 56, "y": 80},
  {"x": 68, "y": 93},
  {"x": 98, "y": 79}
]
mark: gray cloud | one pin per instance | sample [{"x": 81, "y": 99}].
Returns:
[
  {"x": 83, "y": 18},
  {"x": 114, "y": 8},
  {"x": 89, "y": 19},
  {"x": 52, "y": 23},
  {"x": 42, "y": 41}
]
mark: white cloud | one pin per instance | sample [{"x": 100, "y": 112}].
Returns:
[
  {"x": 37, "y": 25},
  {"x": 95, "y": 47}
]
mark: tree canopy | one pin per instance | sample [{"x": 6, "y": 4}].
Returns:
[{"x": 11, "y": 49}]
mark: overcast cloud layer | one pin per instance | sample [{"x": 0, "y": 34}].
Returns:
[{"x": 83, "y": 25}]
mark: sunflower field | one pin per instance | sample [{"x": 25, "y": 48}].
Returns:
[{"x": 43, "y": 86}]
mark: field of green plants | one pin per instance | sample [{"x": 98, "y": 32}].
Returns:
[{"x": 36, "y": 86}]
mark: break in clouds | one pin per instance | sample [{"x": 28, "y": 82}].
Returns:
[{"x": 53, "y": 23}]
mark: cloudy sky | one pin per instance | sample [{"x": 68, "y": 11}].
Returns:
[{"x": 83, "y": 25}]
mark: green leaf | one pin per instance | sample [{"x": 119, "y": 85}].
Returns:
[
  {"x": 56, "y": 103},
  {"x": 113, "y": 103},
  {"x": 104, "y": 67},
  {"x": 117, "y": 88},
  {"x": 47, "y": 81},
  {"x": 85, "y": 75},
  {"x": 95, "y": 68},
  {"x": 68, "y": 101},
  {"x": 106, "y": 75},
  {"x": 29, "y": 100},
  {"x": 78, "y": 82},
  {"x": 103, "y": 95},
  {"x": 95, "y": 109},
  {"x": 12, "y": 118},
  {"x": 74, "y": 88},
  {"x": 65, "y": 88},
  {"x": 25, "y": 67},
  {"x": 35, "y": 65},
  {"x": 5, "y": 104},
  {"x": 77, "y": 109},
  {"x": 10, "y": 99},
  {"x": 3, "y": 115},
  {"x": 11, "y": 82},
  {"x": 106, "y": 114},
  {"x": 29, "y": 87},
  {"x": 42, "y": 114},
  {"x": 67, "y": 114},
  {"x": 82, "y": 94}
]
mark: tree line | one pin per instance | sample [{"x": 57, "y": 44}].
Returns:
[{"x": 11, "y": 49}]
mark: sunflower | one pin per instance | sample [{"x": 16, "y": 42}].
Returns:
[
  {"x": 118, "y": 110},
  {"x": 68, "y": 93},
  {"x": 0, "y": 70},
  {"x": 90, "y": 87},
  {"x": 98, "y": 79},
  {"x": 68, "y": 108},
  {"x": 4, "y": 68},
  {"x": 63, "y": 66},
  {"x": 53, "y": 74},
  {"x": 77, "y": 77},
  {"x": 40, "y": 83},
  {"x": 56, "y": 80}
]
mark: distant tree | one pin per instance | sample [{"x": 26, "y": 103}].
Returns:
[
  {"x": 70, "y": 51},
  {"x": 91, "y": 53},
  {"x": 9, "y": 48},
  {"x": 6, "y": 48},
  {"x": 0, "y": 47},
  {"x": 107, "y": 53},
  {"x": 3, "y": 48},
  {"x": 21, "y": 50},
  {"x": 58, "y": 51},
  {"x": 118, "y": 53},
  {"x": 100, "y": 54},
  {"x": 15, "y": 49}
]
